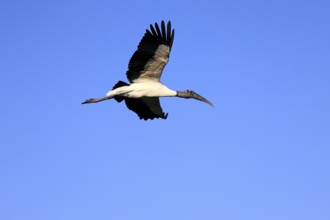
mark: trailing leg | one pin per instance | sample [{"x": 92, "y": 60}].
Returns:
[
  {"x": 117, "y": 92},
  {"x": 89, "y": 101}
]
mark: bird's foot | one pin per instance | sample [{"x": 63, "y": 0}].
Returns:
[{"x": 88, "y": 101}]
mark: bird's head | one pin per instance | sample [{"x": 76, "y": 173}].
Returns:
[{"x": 188, "y": 94}]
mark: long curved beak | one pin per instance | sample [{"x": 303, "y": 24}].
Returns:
[{"x": 201, "y": 98}]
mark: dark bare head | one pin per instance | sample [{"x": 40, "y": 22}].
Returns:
[{"x": 188, "y": 94}]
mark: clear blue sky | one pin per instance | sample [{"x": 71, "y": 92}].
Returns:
[{"x": 261, "y": 153}]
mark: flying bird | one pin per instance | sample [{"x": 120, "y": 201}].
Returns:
[{"x": 145, "y": 68}]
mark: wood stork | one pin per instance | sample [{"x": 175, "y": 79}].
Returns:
[{"x": 144, "y": 71}]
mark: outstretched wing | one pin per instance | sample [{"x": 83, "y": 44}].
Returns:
[
  {"x": 152, "y": 54},
  {"x": 146, "y": 108}
]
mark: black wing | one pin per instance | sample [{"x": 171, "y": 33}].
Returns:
[
  {"x": 146, "y": 108},
  {"x": 152, "y": 54}
]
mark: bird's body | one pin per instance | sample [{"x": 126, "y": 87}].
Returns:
[
  {"x": 145, "y": 68},
  {"x": 142, "y": 89}
]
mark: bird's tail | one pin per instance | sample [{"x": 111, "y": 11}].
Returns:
[{"x": 119, "y": 84}]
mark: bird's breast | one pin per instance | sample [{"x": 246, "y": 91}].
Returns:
[{"x": 149, "y": 89}]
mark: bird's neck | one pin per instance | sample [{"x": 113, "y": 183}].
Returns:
[{"x": 182, "y": 94}]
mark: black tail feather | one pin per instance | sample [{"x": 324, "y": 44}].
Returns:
[{"x": 119, "y": 84}]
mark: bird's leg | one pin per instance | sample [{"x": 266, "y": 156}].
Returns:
[
  {"x": 109, "y": 95},
  {"x": 89, "y": 101}
]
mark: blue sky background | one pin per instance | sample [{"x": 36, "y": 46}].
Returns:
[{"x": 261, "y": 153}]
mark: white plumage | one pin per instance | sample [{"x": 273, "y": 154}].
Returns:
[{"x": 146, "y": 88}]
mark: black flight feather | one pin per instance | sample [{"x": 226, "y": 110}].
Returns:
[
  {"x": 142, "y": 110},
  {"x": 147, "y": 48}
]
